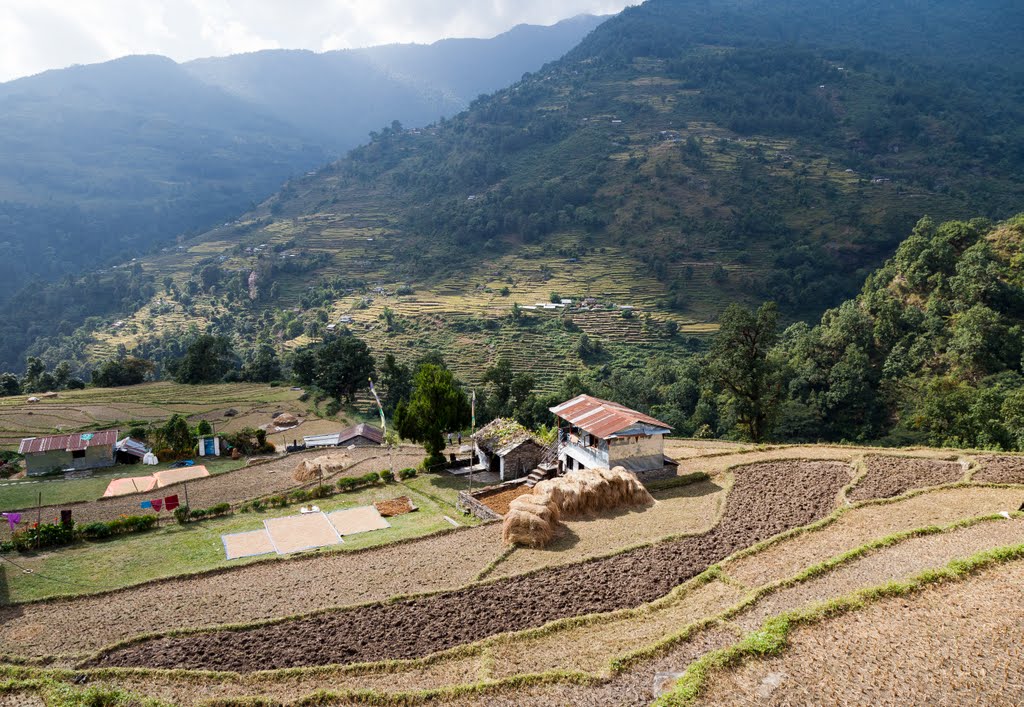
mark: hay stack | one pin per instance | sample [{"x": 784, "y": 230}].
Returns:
[
  {"x": 310, "y": 469},
  {"x": 306, "y": 470},
  {"x": 331, "y": 463},
  {"x": 285, "y": 419},
  {"x": 533, "y": 518},
  {"x": 522, "y": 527}
]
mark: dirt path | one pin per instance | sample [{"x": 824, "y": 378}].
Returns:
[
  {"x": 949, "y": 644},
  {"x": 258, "y": 479},
  {"x": 766, "y": 499}
]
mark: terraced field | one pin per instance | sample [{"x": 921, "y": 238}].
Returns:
[
  {"x": 80, "y": 410},
  {"x": 765, "y": 536}
]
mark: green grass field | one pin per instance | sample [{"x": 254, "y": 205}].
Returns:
[
  {"x": 24, "y": 493},
  {"x": 173, "y": 549}
]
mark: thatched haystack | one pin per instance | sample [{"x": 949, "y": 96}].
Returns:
[
  {"x": 285, "y": 420},
  {"x": 522, "y": 527},
  {"x": 310, "y": 469},
  {"x": 306, "y": 471},
  {"x": 533, "y": 518}
]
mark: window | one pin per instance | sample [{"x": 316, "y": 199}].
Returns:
[{"x": 78, "y": 454}]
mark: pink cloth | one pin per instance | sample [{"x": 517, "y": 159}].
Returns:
[{"x": 157, "y": 504}]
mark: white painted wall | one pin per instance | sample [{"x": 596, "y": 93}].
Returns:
[{"x": 631, "y": 447}]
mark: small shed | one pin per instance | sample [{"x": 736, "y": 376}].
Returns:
[
  {"x": 361, "y": 435},
  {"x": 130, "y": 451},
  {"x": 507, "y": 448},
  {"x": 87, "y": 450}
]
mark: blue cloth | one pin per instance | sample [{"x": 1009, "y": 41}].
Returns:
[{"x": 146, "y": 504}]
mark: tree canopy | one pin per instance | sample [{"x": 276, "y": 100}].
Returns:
[{"x": 437, "y": 405}]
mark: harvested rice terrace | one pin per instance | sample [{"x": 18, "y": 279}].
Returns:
[{"x": 574, "y": 656}]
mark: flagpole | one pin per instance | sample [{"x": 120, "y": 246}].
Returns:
[{"x": 384, "y": 428}]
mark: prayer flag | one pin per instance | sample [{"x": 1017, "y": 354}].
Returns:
[
  {"x": 472, "y": 409},
  {"x": 65, "y": 516},
  {"x": 146, "y": 504},
  {"x": 158, "y": 503},
  {"x": 171, "y": 502},
  {"x": 380, "y": 408}
]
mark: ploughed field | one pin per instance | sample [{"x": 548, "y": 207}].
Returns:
[
  {"x": 761, "y": 504},
  {"x": 456, "y": 619}
]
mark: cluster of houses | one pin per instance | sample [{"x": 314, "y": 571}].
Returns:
[{"x": 592, "y": 434}]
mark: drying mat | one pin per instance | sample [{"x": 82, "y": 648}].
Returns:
[
  {"x": 247, "y": 544},
  {"x": 175, "y": 476},
  {"x": 129, "y": 484},
  {"x": 357, "y": 520},
  {"x": 301, "y": 532}
]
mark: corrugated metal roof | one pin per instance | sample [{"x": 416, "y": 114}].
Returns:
[
  {"x": 362, "y": 430},
  {"x": 327, "y": 440},
  {"x": 67, "y": 443},
  {"x": 133, "y": 447},
  {"x": 602, "y": 418}
]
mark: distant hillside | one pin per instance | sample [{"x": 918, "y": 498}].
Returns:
[
  {"x": 341, "y": 96},
  {"x": 104, "y": 162},
  {"x": 682, "y": 157}
]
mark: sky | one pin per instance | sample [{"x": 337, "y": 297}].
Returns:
[{"x": 36, "y": 35}]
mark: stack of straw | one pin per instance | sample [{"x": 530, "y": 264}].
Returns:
[{"x": 533, "y": 518}]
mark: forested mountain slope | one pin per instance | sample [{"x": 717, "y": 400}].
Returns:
[
  {"x": 684, "y": 156},
  {"x": 104, "y": 162}
]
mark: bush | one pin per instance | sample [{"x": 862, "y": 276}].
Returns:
[
  {"x": 320, "y": 492},
  {"x": 279, "y": 501},
  {"x": 371, "y": 478},
  {"x": 406, "y": 473},
  {"x": 387, "y": 477},
  {"x": 299, "y": 495},
  {"x": 347, "y": 484},
  {"x": 96, "y": 531},
  {"x": 258, "y": 505}
]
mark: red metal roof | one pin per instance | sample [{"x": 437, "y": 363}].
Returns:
[
  {"x": 371, "y": 433},
  {"x": 68, "y": 443},
  {"x": 602, "y": 418}
]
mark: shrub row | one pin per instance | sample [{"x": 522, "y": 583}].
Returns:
[
  {"x": 350, "y": 483},
  {"x": 57, "y": 534},
  {"x": 183, "y": 514}
]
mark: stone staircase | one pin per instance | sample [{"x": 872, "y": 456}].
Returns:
[{"x": 544, "y": 471}]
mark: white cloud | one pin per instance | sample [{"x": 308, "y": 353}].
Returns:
[{"x": 36, "y": 35}]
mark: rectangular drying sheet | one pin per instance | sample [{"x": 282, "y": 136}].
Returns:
[
  {"x": 357, "y": 520},
  {"x": 301, "y": 532},
  {"x": 247, "y": 544}
]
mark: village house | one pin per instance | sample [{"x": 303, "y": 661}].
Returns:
[
  {"x": 600, "y": 434},
  {"x": 507, "y": 449},
  {"x": 361, "y": 435},
  {"x": 88, "y": 450}
]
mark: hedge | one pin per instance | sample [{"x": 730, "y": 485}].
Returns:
[
  {"x": 57, "y": 534},
  {"x": 183, "y": 514}
]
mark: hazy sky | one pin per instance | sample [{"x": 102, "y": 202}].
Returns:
[{"x": 36, "y": 35}]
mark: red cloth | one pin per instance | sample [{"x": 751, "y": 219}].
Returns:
[
  {"x": 171, "y": 502},
  {"x": 157, "y": 504}
]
